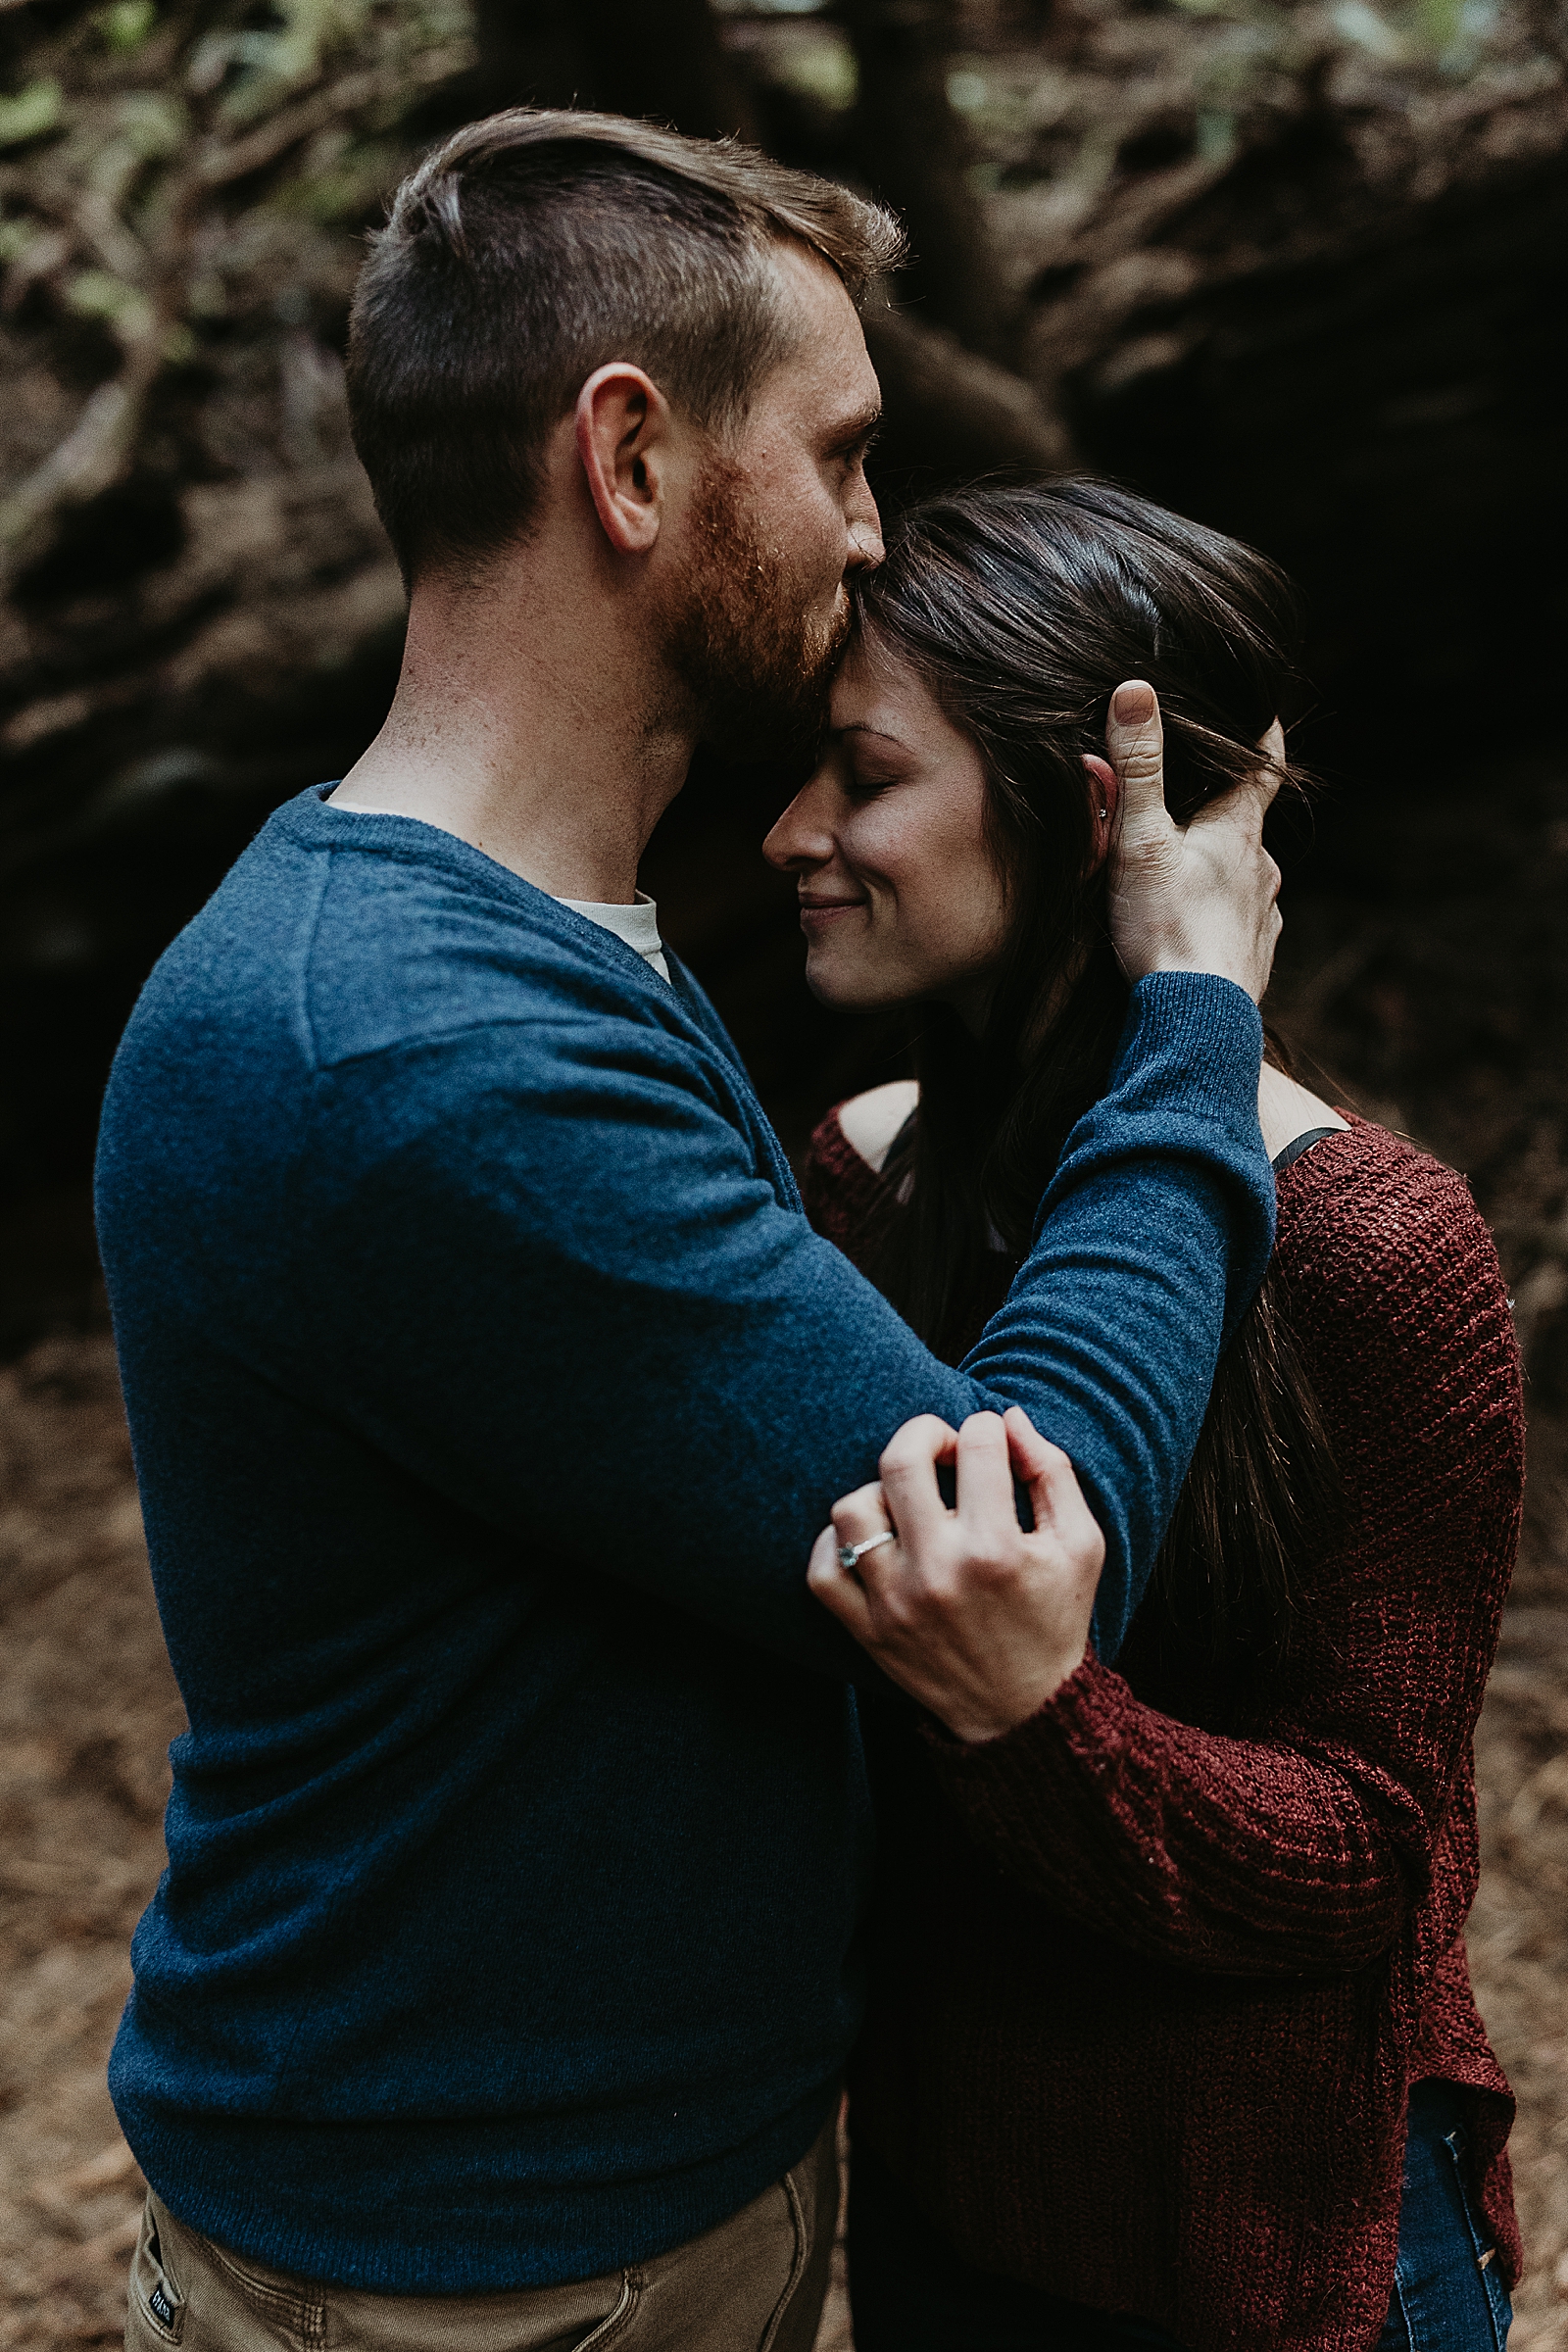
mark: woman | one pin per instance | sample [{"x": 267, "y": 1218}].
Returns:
[{"x": 1171, "y": 2040}]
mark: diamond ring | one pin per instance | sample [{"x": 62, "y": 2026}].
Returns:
[{"x": 849, "y": 1553}]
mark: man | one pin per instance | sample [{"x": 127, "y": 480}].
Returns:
[{"x": 487, "y": 1385}]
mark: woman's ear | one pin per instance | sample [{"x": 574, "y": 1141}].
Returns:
[{"x": 1110, "y": 784}]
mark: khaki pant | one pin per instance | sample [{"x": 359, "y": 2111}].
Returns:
[{"x": 755, "y": 2284}]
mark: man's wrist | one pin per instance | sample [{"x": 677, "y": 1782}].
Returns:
[
  {"x": 1166, "y": 966},
  {"x": 1203, "y": 1030}
]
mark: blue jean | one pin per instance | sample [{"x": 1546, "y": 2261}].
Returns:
[
  {"x": 910, "y": 2292},
  {"x": 1446, "y": 2291}
]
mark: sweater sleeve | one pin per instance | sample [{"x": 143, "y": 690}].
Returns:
[
  {"x": 568, "y": 1298},
  {"x": 1305, "y": 1848}
]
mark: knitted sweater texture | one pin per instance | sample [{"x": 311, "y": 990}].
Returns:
[{"x": 1152, "y": 1973}]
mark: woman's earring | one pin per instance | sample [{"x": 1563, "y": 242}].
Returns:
[{"x": 1104, "y": 813}]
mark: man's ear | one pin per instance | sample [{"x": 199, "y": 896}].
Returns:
[{"x": 623, "y": 424}]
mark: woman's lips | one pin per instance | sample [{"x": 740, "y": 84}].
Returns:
[{"x": 821, "y": 911}]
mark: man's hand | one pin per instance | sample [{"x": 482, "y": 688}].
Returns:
[
  {"x": 978, "y": 1621},
  {"x": 1199, "y": 897}
]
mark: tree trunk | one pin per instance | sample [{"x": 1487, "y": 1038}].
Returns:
[
  {"x": 951, "y": 414},
  {"x": 616, "y": 56},
  {"x": 915, "y": 152}
]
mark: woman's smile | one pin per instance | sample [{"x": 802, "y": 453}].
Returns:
[
  {"x": 816, "y": 907},
  {"x": 891, "y": 829}
]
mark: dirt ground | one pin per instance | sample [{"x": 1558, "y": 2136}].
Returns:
[
  {"x": 87, "y": 1707},
  {"x": 1432, "y": 987}
]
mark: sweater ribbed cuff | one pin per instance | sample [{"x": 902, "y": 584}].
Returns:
[
  {"x": 1208, "y": 1026},
  {"x": 1043, "y": 1758}
]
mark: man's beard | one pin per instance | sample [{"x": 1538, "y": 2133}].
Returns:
[{"x": 756, "y": 667}]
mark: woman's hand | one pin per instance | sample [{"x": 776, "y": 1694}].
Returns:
[{"x": 975, "y": 1619}]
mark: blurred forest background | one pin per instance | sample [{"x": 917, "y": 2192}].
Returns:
[{"x": 1297, "y": 269}]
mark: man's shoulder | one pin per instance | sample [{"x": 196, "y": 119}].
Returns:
[{"x": 336, "y": 938}]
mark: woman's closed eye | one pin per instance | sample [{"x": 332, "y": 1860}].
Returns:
[
  {"x": 863, "y": 782},
  {"x": 870, "y": 766}
]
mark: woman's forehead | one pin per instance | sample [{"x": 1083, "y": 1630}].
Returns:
[{"x": 876, "y": 692}]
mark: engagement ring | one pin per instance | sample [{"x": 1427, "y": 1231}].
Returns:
[{"x": 849, "y": 1554}]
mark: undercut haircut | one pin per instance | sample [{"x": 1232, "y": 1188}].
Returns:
[{"x": 536, "y": 246}]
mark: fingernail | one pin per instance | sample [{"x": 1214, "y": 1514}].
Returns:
[{"x": 1133, "y": 704}]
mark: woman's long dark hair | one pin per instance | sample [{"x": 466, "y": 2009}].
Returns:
[{"x": 1021, "y": 609}]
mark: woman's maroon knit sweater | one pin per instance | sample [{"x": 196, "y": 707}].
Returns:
[{"x": 1151, "y": 1975}]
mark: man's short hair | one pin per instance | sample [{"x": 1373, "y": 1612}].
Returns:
[{"x": 532, "y": 248}]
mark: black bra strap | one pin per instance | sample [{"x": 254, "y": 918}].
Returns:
[{"x": 1304, "y": 1144}]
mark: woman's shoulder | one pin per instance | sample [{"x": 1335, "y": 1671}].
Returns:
[
  {"x": 871, "y": 1123},
  {"x": 1287, "y": 1113},
  {"x": 1366, "y": 1197},
  {"x": 1395, "y": 1299},
  {"x": 1386, "y": 1258},
  {"x": 841, "y": 1181}
]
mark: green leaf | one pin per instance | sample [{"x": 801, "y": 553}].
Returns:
[
  {"x": 96, "y": 294},
  {"x": 126, "y": 26},
  {"x": 31, "y": 111},
  {"x": 822, "y": 66},
  {"x": 344, "y": 187},
  {"x": 290, "y": 51},
  {"x": 152, "y": 124},
  {"x": 1354, "y": 20}
]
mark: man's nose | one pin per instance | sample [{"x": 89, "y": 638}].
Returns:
[{"x": 866, "y": 550}]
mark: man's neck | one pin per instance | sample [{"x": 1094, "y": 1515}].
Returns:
[{"x": 534, "y": 725}]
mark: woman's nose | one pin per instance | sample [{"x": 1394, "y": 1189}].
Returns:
[{"x": 804, "y": 836}]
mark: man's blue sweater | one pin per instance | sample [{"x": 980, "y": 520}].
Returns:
[{"x": 488, "y": 1388}]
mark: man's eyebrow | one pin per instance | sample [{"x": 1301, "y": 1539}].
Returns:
[{"x": 858, "y": 428}]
